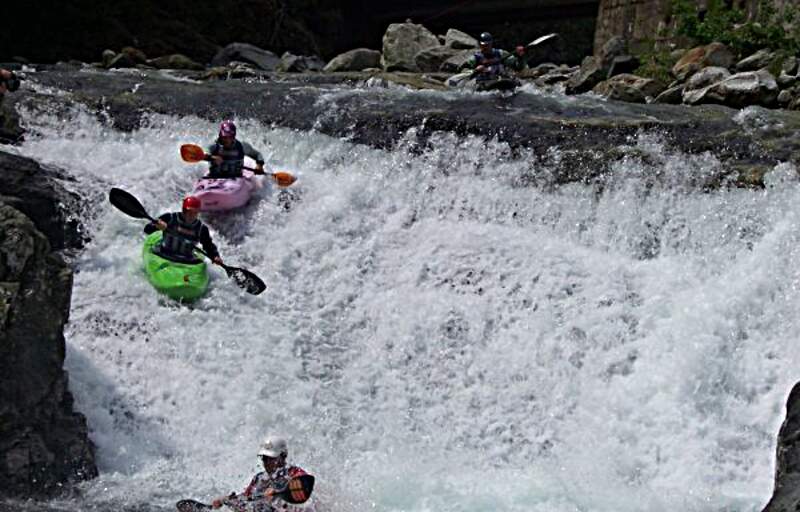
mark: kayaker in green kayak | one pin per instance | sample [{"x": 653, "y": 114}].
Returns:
[
  {"x": 182, "y": 232},
  {"x": 226, "y": 154}
]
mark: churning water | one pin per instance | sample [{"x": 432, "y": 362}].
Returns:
[{"x": 437, "y": 335}]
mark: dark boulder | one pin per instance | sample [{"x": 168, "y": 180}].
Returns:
[
  {"x": 243, "y": 52},
  {"x": 786, "y": 494}
]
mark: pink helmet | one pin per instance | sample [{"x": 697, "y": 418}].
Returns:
[{"x": 227, "y": 129}]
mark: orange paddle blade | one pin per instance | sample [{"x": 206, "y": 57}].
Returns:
[
  {"x": 283, "y": 179},
  {"x": 192, "y": 153}
]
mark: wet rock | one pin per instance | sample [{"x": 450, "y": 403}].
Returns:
[
  {"x": 135, "y": 55},
  {"x": 591, "y": 73},
  {"x": 705, "y": 77},
  {"x": 630, "y": 88},
  {"x": 623, "y": 64},
  {"x": 354, "y": 60},
  {"x": 738, "y": 91},
  {"x": 759, "y": 60},
  {"x": 10, "y": 130},
  {"x": 785, "y": 80},
  {"x": 785, "y": 98},
  {"x": 402, "y": 42},
  {"x": 614, "y": 47},
  {"x": 713, "y": 54},
  {"x": 431, "y": 59},
  {"x": 175, "y": 61},
  {"x": 43, "y": 443},
  {"x": 672, "y": 96},
  {"x": 106, "y": 58},
  {"x": 786, "y": 492},
  {"x": 540, "y": 70},
  {"x": 121, "y": 60},
  {"x": 459, "y": 40},
  {"x": 243, "y": 52},
  {"x": 789, "y": 66},
  {"x": 291, "y": 63},
  {"x": 456, "y": 62}
]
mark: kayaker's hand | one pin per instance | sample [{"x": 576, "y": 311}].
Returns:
[
  {"x": 216, "y": 503},
  {"x": 217, "y": 260},
  {"x": 520, "y": 50},
  {"x": 161, "y": 225},
  {"x": 481, "y": 69},
  {"x": 259, "y": 168},
  {"x": 216, "y": 159}
]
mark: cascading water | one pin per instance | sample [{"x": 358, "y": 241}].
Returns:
[{"x": 436, "y": 336}]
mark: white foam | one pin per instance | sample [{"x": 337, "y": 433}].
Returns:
[{"x": 435, "y": 337}]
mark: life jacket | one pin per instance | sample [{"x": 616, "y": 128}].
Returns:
[
  {"x": 180, "y": 239},
  {"x": 262, "y": 481},
  {"x": 232, "y": 160},
  {"x": 494, "y": 63}
]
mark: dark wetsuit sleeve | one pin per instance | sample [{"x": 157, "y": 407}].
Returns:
[
  {"x": 252, "y": 153},
  {"x": 150, "y": 227},
  {"x": 208, "y": 244}
]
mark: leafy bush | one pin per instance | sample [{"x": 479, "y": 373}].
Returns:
[{"x": 730, "y": 26}]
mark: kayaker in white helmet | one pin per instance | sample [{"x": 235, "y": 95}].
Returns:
[
  {"x": 226, "y": 154},
  {"x": 257, "y": 496}
]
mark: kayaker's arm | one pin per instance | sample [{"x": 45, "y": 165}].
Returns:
[
  {"x": 160, "y": 224},
  {"x": 208, "y": 245},
  {"x": 255, "y": 155}
]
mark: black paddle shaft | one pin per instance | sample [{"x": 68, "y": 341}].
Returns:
[{"x": 129, "y": 205}]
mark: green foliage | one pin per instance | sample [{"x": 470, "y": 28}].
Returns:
[
  {"x": 655, "y": 63},
  {"x": 730, "y": 26}
]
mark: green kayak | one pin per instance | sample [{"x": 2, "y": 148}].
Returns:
[{"x": 185, "y": 281}]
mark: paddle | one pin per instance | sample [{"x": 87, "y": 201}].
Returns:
[
  {"x": 540, "y": 40},
  {"x": 193, "y": 153},
  {"x": 129, "y": 205},
  {"x": 298, "y": 491}
]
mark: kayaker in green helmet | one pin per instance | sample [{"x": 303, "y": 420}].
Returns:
[
  {"x": 490, "y": 63},
  {"x": 226, "y": 154},
  {"x": 182, "y": 232}
]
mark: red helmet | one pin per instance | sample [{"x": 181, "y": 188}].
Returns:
[
  {"x": 227, "y": 129},
  {"x": 191, "y": 203}
]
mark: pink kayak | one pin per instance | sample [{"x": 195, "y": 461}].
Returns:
[{"x": 225, "y": 194}]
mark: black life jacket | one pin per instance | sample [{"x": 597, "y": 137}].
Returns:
[
  {"x": 180, "y": 239},
  {"x": 494, "y": 62},
  {"x": 232, "y": 161}
]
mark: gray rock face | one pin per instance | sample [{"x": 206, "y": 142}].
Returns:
[
  {"x": 713, "y": 54},
  {"x": 291, "y": 63},
  {"x": 243, "y": 52},
  {"x": 175, "y": 61},
  {"x": 591, "y": 73},
  {"x": 459, "y": 40},
  {"x": 786, "y": 494},
  {"x": 454, "y": 63},
  {"x": 630, "y": 88},
  {"x": 43, "y": 442},
  {"x": 431, "y": 59},
  {"x": 758, "y": 60},
  {"x": 705, "y": 77},
  {"x": 672, "y": 96},
  {"x": 738, "y": 91},
  {"x": 10, "y": 130},
  {"x": 354, "y": 60},
  {"x": 402, "y": 42}
]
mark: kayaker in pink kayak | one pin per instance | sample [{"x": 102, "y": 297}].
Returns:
[
  {"x": 226, "y": 154},
  {"x": 182, "y": 232}
]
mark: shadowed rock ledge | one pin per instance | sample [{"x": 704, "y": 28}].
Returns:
[
  {"x": 786, "y": 495},
  {"x": 44, "y": 444}
]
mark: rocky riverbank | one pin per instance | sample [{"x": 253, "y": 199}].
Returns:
[{"x": 44, "y": 445}]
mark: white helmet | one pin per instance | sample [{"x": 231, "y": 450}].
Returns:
[{"x": 273, "y": 447}]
